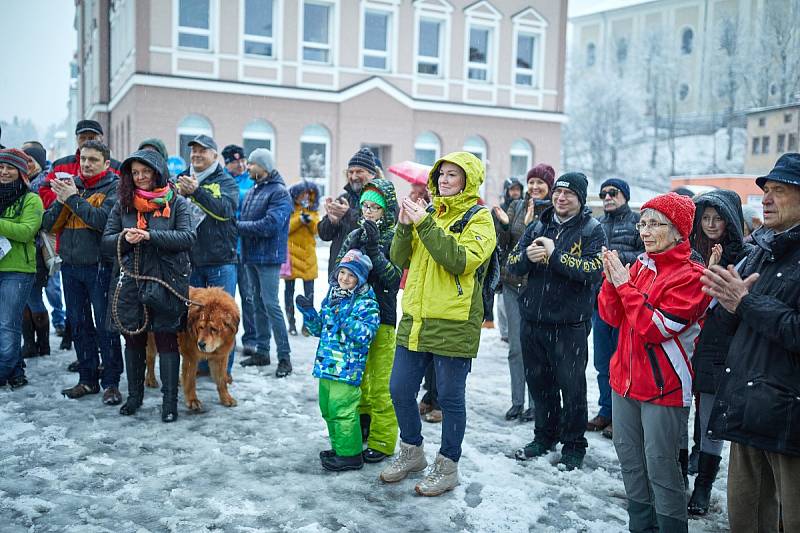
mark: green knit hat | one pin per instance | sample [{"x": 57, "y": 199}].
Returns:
[{"x": 371, "y": 195}]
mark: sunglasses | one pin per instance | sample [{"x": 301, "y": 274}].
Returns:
[{"x": 610, "y": 192}]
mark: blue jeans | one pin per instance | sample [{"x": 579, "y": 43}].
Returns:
[
  {"x": 86, "y": 285},
  {"x": 605, "y": 344},
  {"x": 252, "y": 308},
  {"x": 216, "y": 276},
  {"x": 451, "y": 383},
  {"x": 53, "y": 292},
  {"x": 264, "y": 283},
  {"x": 15, "y": 287}
]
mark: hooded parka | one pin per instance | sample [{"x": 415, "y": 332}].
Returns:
[
  {"x": 302, "y": 241},
  {"x": 442, "y": 302},
  {"x": 165, "y": 255}
]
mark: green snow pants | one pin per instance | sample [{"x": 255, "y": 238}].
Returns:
[
  {"x": 338, "y": 403},
  {"x": 375, "y": 398}
]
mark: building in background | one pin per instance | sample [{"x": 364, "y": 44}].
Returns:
[
  {"x": 314, "y": 80},
  {"x": 771, "y": 132}
]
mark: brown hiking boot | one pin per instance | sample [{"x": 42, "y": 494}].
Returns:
[
  {"x": 608, "y": 432},
  {"x": 434, "y": 417},
  {"x": 111, "y": 396},
  {"x": 598, "y": 423},
  {"x": 80, "y": 390},
  {"x": 424, "y": 408}
]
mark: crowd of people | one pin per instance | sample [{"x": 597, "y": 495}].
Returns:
[{"x": 693, "y": 302}]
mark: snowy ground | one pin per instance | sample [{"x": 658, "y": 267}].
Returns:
[{"x": 79, "y": 466}]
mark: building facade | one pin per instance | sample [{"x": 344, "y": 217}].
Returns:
[
  {"x": 771, "y": 132},
  {"x": 315, "y": 80}
]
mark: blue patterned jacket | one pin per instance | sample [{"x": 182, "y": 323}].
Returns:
[{"x": 346, "y": 330}]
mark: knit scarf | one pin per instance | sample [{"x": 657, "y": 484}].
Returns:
[
  {"x": 338, "y": 294},
  {"x": 155, "y": 201},
  {"x": 10, "y": 193},
  {"x": 203, "y": 174}
]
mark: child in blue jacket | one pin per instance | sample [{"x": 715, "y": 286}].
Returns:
[{"x": 346, "y": 325}]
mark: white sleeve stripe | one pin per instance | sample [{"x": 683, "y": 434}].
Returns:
[{"x": 660, "y": 324}]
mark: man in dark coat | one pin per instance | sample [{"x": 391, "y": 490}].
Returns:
[
  {"x": 757, "y": 406},
  {"x": 206, "y": 184},
  {"x": 343, "y": 213},
  {"x": 619, "y": 225},
  {"x": 561, "y": 256},
  {"x": 264, "y": 227}
]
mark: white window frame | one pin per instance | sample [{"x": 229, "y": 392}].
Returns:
[
  {"x": 274, "y": 41},
  {"x": 191, "y": 130},
  {"x": 213, "y": 14},
  {"x": 332, "y": 33},
  {"x": 439, "y": 61},
  {"x": 423, "y": 145},
  {"x": 527, "y": 153},
  {"x": 476, "y": 16},
  {"x": 318, "y": 139},
  {"x": 260, "y": 136},
  {"x": 391, "y": 35},
  {"x": 529, "y": 22}
]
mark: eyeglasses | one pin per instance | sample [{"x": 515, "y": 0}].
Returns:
[
  {"x": 374, "y": 208},
  {"x": 610, "y": 192},
  {"x": 651, "y": 225}
]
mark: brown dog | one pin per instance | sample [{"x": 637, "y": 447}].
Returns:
[{"x": 210, "y": 334}]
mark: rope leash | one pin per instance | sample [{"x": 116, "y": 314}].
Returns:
[{"x": 137, "y": 256}]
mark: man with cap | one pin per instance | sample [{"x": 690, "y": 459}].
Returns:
[
  {"x": 86, "y": 130},
  {"x": 264, "y": 228},
  {"x": 619, "y": 224},
  {"x": 757, "y": 405},
  {"x": 216, "y": 194},
  {"x": 561, "y": 255},
  {"x": 342, "y": 214}
]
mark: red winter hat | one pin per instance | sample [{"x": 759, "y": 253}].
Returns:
[{"x": 678, "y": 209}]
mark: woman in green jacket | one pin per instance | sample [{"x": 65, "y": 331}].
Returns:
[
  {"x": 442, "y": 312},
  {"x": 20, "y": 218}
]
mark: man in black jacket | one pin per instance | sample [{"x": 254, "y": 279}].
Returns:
[
  {"x": 343, "y": 213},
  {"x": 619, "y": 225},
  {"x": 757, "y": 405},
  {"x": 216, "y": 194},
  {"x": 561, "y": 256}
]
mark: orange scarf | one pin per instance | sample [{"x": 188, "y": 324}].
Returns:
[{"x": 155, "y": 201}]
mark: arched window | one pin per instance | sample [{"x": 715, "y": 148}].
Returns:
[
  {"x": 189, "y": 128},
  {"x": 258, "y": 134},
  {"x": 427, "y": 148},
  {"x": 315, "y": 155},
  {"x": 521, "y": 158},
  {"x": 687, "y": 41},
  {"x": 591, "y": 54},
  {"x": 476, "y": 146}
]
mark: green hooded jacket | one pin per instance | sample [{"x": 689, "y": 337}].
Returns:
[{"x": 442, "y": 303}]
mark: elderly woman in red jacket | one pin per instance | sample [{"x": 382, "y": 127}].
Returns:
[{"x": 657, "y": 304}]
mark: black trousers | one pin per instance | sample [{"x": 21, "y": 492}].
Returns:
[{"x": 555, "y": 358}]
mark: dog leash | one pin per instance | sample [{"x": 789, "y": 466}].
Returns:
[{"x": 137, "y": 253}]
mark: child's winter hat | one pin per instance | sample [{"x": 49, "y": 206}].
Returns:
[
  {"x": 357, "y": 263},
  {"x": 372, "y": 195}
]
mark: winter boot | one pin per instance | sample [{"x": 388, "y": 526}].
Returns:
[
  {"x": 28, "y": 335},
  {"x": 683, "y": 459},
  {"x": 532, "y": 450},
  {"x": 339, "y": 463},
  {"x": 443, "y": 476},
  {"x": 135, "y": 367},
  {"x": 41, "y": 325},
  {"x": 66, "y": 340},
  {"x": 169, "y": 365},
  {"x": 707, "y": 468},
  {"x": 410, "y": 459}
]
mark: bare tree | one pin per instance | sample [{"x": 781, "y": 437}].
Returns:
[{"x": 727, "y": 63}]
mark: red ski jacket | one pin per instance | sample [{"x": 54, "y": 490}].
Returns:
[
  {"x": 71, "y": 165},
  {"x": 659, "y": 315}
]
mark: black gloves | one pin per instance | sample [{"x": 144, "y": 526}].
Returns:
[
  {"x": 370, "y": 234},
  {"x": 303, "y": 302}
]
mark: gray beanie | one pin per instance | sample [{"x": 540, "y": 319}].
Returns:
[{"x": 263, "y": 158}]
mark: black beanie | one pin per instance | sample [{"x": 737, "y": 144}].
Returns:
[
  {"x": 38, "y": 154},
  {"x": 577, "y": 182},
  {"x": 364, "y": 158}
]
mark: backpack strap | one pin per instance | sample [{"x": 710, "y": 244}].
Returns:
[{"x": 459, "y": 226}]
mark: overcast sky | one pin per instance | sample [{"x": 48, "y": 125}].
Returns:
[{"x": 37, "y": 41}]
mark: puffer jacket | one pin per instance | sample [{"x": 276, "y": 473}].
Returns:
[
  {"x": 302, "y": 244},
  {"x": 658, "y": 313},
  {"x": 337, "y": 233},
  {"x": 165, "y": 256},
  {"x": 346, "y": 329},
  {"x": 758, "y": 400},
  {"x": 620, "y": 228},
  {"x": 385, "y": 275},
  {"x": 79, "y": 223},
  {"x": 563, "y": 290},
  {"x": 442, "y": 302},
  {"x": 218, "y": 197},
  {"x": 264, "y": 221},
  {"x": 508, "y": 236},
  {"x": 19, "y": 224},
  {"x": 714, "y": 341}
]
